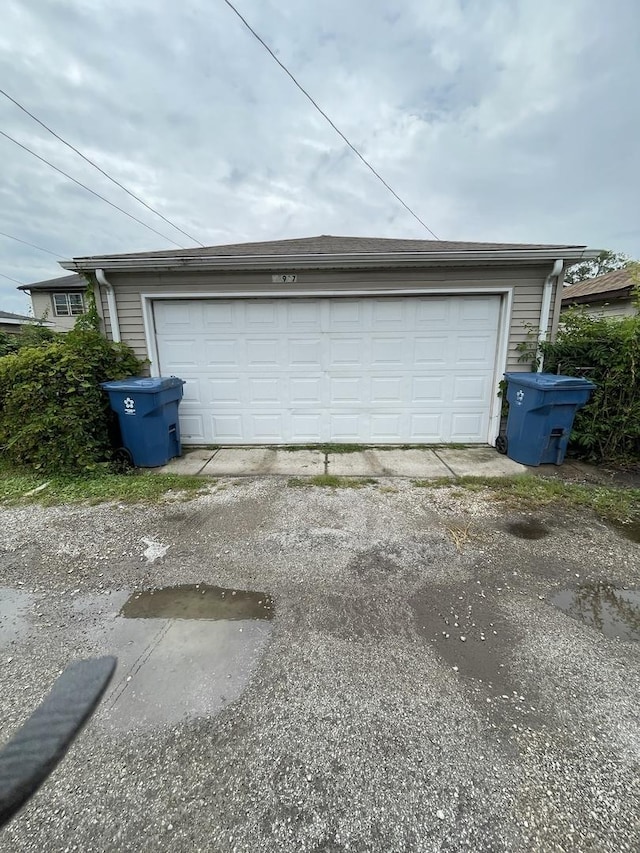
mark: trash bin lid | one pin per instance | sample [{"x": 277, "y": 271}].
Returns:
[
  {"x": 143, "y": 384},
  {"x": 549, "y": 381}
]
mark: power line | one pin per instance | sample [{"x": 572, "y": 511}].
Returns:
[
  {"x": 324, "y": 115},
  {"x": 88, "y": 189},
  {"x": 8, "y": 277},
  {"x": 95, "y": 166},
  {"x": 33, "y": 245}
]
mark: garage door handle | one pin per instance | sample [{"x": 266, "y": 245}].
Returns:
[{"x": 36, "y": 748}]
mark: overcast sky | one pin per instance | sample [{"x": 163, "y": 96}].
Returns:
[{"x": 499, "y": 120}]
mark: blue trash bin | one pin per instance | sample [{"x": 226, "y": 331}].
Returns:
[
  {"x": 147, "y": 411},
  {"x": 542, "y": 407}
]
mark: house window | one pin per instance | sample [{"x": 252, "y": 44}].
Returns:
[{"x": 68, "y": 304}]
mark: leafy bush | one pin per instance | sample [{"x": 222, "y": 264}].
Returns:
[
  {"x": 606, "y": 351},
  {"x": 53, "y": 413},
  {"x": 30, "y": 335}
]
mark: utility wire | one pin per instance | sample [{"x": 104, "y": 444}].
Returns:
[
  {"x": 8, "y": 277},
  {"x": 33, "y": 245},
  {"x": 88, "y": 189},
  {"x": 95, "y": 166},
  {"x": 324, "y": 115}
]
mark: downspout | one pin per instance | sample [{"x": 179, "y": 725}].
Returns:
[
  {"x": 111, "y": 302},
  {"x": 543, "y": 326}
]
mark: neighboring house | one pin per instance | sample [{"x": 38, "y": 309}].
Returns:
[
  {"x": 12, "y": 323},
  {"x": 342, "y": 339},
  {"x": 609, "y": 295},
  {"x": 59, "y": 300}
]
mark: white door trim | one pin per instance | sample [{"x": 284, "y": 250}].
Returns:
[{"x": 506, "y": 302}]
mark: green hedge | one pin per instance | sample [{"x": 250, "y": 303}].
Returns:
[
  {"x": 53, "y": 413},
  {"x": 606, "y": 351}
]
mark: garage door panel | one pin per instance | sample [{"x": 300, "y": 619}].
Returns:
[
  {"x": 265, "y": 426},
  {"x": 264, "y": 390},
  {"x": 191, "y": 427},
  {"x": 260, "y": 314},
  {"x": 225, "y": 391},
  {"x": 307, "y": 426},
  {"x": 387, "y": 389},
  {"x": 263, "y": 352},
  {"x": 181, "y": 352},
  {"x": 465, "y": 425},
  {"x": 305, "y": 390},
  {"x": 477, "y": 310},
  {"x": 385, "y": 426},
  {"x": 221, "y": 316},
  {"x": 345, "y": 426},
  {"x": 345, "y": 315},
  {"x": 426, "y": 427},
  {"x": 221, "y": 353},
  {"x": 303, "y": 315},
  {"x": 192, "y": 390},
  {"x": 432, "y": 313},
  {"x": 389, "y": 314},
  {"x": 427, "y": 389},
  {"x": 345, "y": 389},
  {"x": 476, "y": 351},
  {"x": 430, "y": 351},
  {"x": 387, "y": 351},
  {"x": 385, "y": 370},
  {"x": 226, "y": 427},
  {"x": 305, "y": 353},
  {"x": 345, "y": 352},
  {"x": 470, "y": 388}
]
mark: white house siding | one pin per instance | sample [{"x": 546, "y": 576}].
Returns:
[{"x": 616, "y": 308}]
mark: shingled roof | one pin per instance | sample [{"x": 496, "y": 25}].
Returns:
[
  {"x": 611, "y": 285},
  {"x": 15, "y": 318},
  {"x": 65, "y": 282},
  {"x": 326, "y": 244}
]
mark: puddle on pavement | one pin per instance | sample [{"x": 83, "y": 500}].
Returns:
[
  {"x": 14, "y": 604},
  {"x": 612, "y": 610},
  {"x": 198, "y": 601},
  {"x": 184, "y": 652},
  {"x": 630, "y": 531},
  {"x": 527, "y": 529},
  {"x": 468, "y": 632}
]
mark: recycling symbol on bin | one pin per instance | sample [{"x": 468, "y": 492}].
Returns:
[
  {"x": 129, "y": 403},
  {"x": 519, "y": 396}
]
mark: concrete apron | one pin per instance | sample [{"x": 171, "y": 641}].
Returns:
[{"x": 426, "y": 464}]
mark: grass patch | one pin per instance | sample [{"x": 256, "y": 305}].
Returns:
[
  {"x": 332, "y": 481},
  {"x": 321, "y": 448},
  {"x": 359, "y": 448},
  {"x": 24, "y": 486},
  {"x": 617, "y": 505}
]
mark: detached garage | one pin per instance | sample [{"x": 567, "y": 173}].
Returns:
[{"x": 334, "y": 339}]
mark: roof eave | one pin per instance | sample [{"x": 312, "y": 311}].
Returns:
[
  {"x": 602, "y": 296},
  {"x": 329, "y": 261},
  {"x": 26, "y": 321}
]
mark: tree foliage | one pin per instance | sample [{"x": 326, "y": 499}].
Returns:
[
  {"x": 53, "y": 413},
  {"x": 606, "y": 261},
  {"x": 607, "y": 352}
]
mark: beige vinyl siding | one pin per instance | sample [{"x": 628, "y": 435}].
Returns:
[
  {"x": 42, "y": 303},
  {"x": 615, "y": 308},
  {"x": 527, "y": 286}
]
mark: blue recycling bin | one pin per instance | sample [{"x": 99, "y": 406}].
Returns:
[
  {"x": 147, "y": 411},
  {"x": 542, "y": 407}
]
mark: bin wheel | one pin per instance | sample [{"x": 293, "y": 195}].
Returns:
[
  {"x": 501, "y": 444},
  {"x": 123, "y": 460}
]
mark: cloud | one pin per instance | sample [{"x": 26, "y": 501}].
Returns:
[{"x": 497, "y": 120}]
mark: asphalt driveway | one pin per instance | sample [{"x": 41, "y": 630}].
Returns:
[{"x": 373, "y": 669}]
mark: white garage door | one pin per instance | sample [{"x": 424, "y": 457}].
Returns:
[{"x": 297, "y": 370}]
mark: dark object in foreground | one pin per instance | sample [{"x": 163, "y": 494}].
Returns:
[{"x": 36, "y": 748}]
